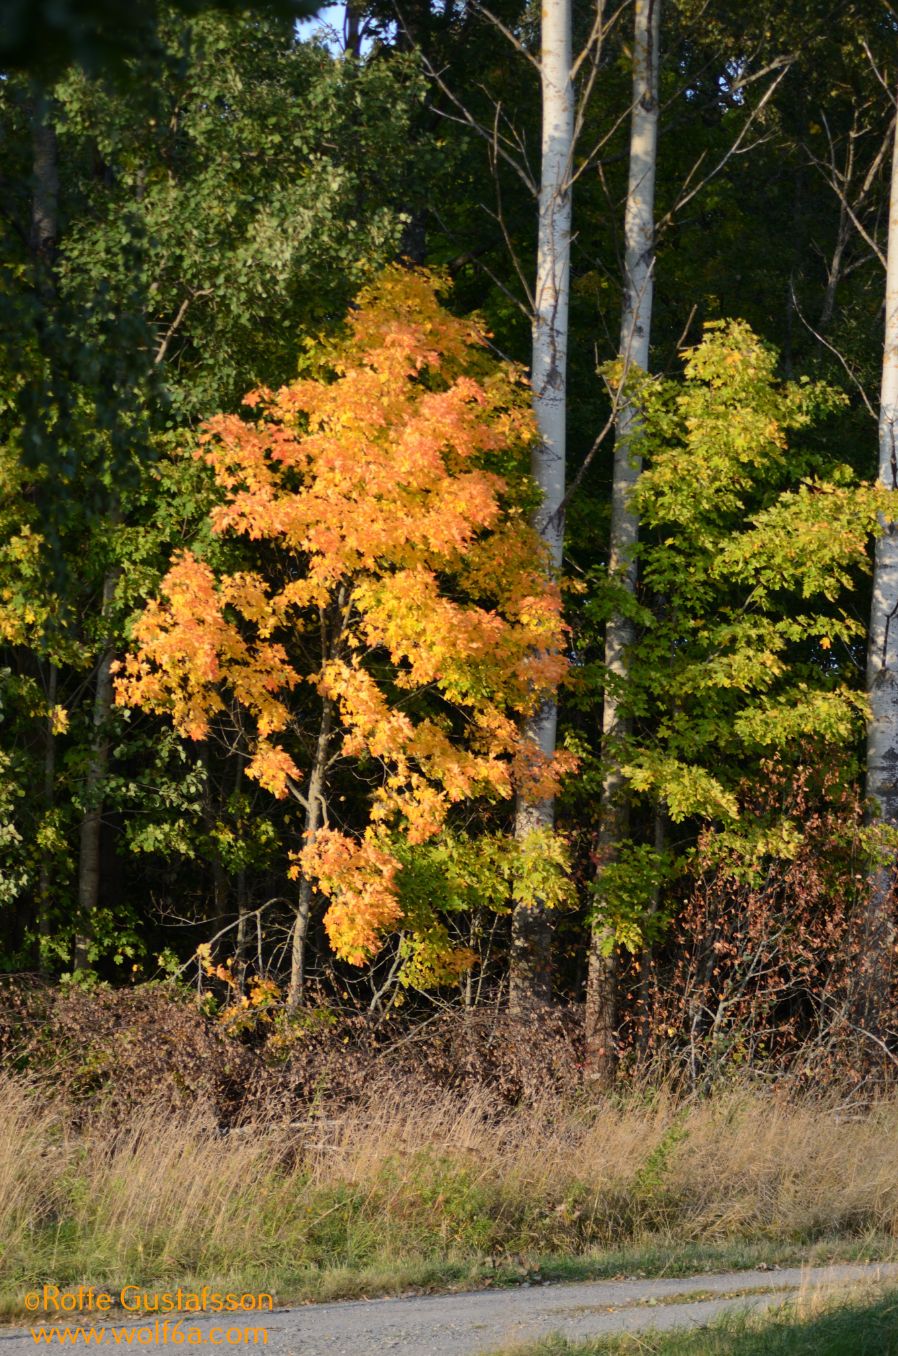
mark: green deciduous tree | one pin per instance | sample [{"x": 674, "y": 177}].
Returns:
[{"x": 746, "y": 643}]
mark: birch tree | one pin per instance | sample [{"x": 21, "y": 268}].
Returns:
[
  {"x": 882, "y": 656},
  {"x": 636, "y": 322},
  {"x": 530, "y": 973}
]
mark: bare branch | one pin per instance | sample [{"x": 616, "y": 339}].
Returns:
[
  {"x": 878, "y": 73},
  {"x": 855, "y": 219},
  {"x": 506, "y": 33},
  {"x": 874, "y": 414},
  {"x": 876, "y": 1041},
  {"x": 175, "y": 324},
  {"x": 839, "y": 180},
  {"x": 466, "y": 118},
  {"x": 590, "y": 456},
  {"x": 230, "y": 927},
  {"x": 593, "y": 45},
  {"x": 737, "y": 148},
  {"x": 296, "y": 793},
  {"x": 683, "y": 333}
]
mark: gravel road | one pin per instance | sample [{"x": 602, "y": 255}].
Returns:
[{"x": 470, "y": 1324}]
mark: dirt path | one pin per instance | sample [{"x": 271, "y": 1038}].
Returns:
[{"x": 467, "y": 1325}]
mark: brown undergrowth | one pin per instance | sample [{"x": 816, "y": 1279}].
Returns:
[{"x": 102, "y": 1052}]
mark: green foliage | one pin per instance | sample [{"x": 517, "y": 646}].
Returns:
[
  {"x": 461, "y": 874},
  {"x": 254, "y": 185},
  {"x": 685, "y": 789},
  {"x": 626, "y": 897},
  {"x": 221, "y": 196},
  {"x": 728, "y": 667},
  {"x": 541, "y": 870},
  {"x": 14, "y": 872},
  {"x": 652, "y": 1180}
]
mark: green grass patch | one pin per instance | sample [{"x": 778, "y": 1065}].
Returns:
[
  {"x": 354, "y": 1268},
  {"x": 805, "y": 1328}
]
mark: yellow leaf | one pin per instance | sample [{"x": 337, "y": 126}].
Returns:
[{"x": 59, "y": 720}]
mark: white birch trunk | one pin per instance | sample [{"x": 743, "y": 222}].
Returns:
[
  {"x": 530, "y": 978},
  {"x": 636, "y": 323},
  {"x": 882, "y": 660}
]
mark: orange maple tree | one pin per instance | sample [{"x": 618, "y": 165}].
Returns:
[{"x": 400, "y": 598}]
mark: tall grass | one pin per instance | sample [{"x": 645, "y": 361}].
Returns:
[{"x": 397, "y": 1192}]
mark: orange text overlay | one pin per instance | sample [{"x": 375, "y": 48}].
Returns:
[
  {"x": 161, "y": 1332},
  {"x": 85, "y": 1299}
]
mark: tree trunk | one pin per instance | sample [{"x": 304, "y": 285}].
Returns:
[
  {"x": 636, "y": 321},
  {"x": 45, "y": 189},
  {"x": 44, "y": 233},
  {"x": 882, "y": 666},
  {"x": 242, "y": 938},
  {"x": 219, "y": 875},
  {"x": 352, "y": 30},
  {"x": 44, "y": 882},
  {"x": 313, "y": 822},
  {"x": 530, "y": 978},
  {"x": 91, "y": 822},
  {"x": 647, "y": 956},
  {"x": 238, "y": 939}
]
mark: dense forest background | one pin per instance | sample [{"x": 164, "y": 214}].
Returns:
[{"x": 236, "y": 201}]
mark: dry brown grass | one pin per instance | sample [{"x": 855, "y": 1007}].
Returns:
[
  {"x": 415, "y": 1191},
  {"x": 740, "y": 1163}
]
